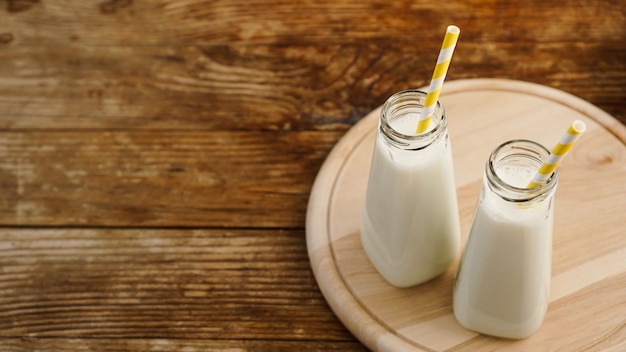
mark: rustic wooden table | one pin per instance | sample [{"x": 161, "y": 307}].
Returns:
[{"x": 156, "y": 157}]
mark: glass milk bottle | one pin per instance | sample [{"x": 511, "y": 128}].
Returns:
[
  {"x": 503, "y": 283},
  {"x": 410, "y": 224}
]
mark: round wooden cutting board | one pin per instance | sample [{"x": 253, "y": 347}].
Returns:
[{"x": 587, "y": 308}]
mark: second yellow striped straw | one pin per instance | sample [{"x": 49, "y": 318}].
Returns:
[
  {"x": 558, "y": 153},
  {"x": 436, "y": 82}
]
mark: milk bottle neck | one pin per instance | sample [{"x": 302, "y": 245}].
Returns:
[
  {"x": 510, "y": 168},
  {"x": 399, "y": 118}
]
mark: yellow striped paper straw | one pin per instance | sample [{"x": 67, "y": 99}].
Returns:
[
  {"x": 558, "y": 153},
  {"x": 443, "y": 61}
]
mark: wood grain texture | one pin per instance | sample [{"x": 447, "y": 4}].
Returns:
[
  {"x": 161, "y": 22},
  {"x": 314, "y": 75},
  {"x": 587, "y": 271},
  {"x": 171, "y": 179},
  {"x": 268, "y": 87},
  {"x": 160, "y": 344},
  {"x": 149, "y": 283},
  {"x": 214, "y": 87}
]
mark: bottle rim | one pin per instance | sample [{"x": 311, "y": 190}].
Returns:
[
  {"x": 411, "y": 101},
  {"x": 532, "y": 152}
]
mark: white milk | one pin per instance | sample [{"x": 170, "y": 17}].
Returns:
[
  {"x": 503, "y": 284},
  {"x": 410, "y": 225}
]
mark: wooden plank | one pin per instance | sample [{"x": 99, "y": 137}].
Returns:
[
  {"x": 28, "y": 344},
  {"x": 159, "y": 178},
  {"x": 191, "y": 87},
  {"x": 151, "y": 283},
  {"x": 165, "y": 344},
  {"x": 269, "y": 87},
  {"x": 162, "y": 22}
]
